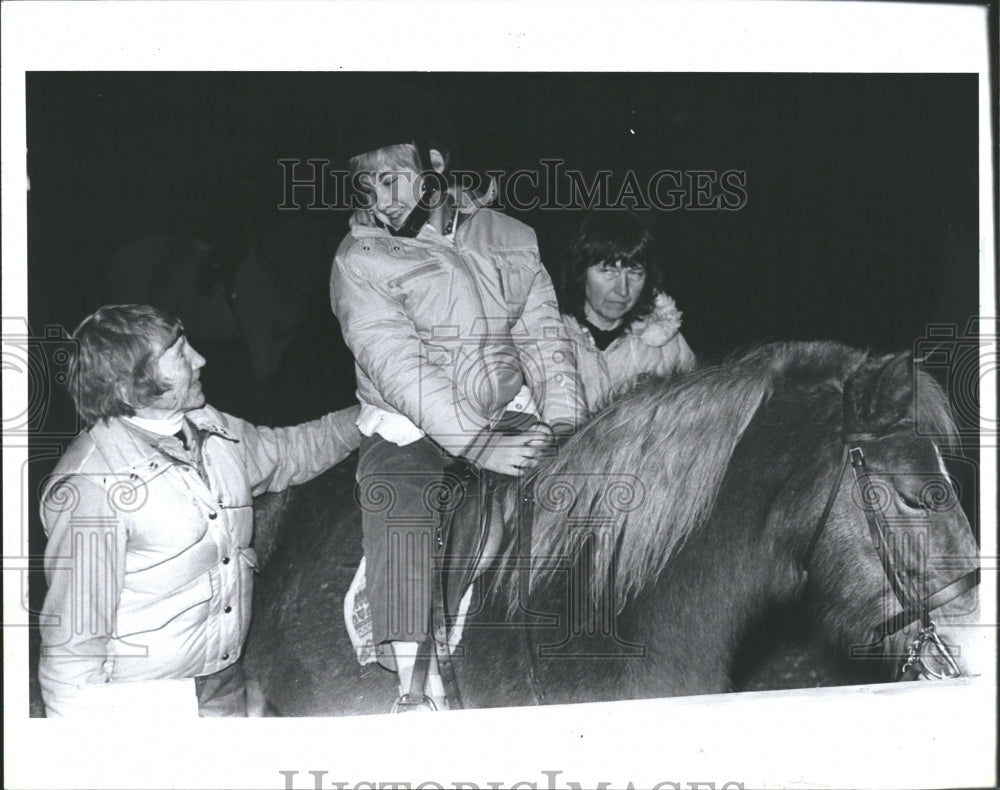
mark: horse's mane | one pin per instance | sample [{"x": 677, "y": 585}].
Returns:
[
  {"x": 933, "y": 416},
  {"x": 675, "y": 437}
]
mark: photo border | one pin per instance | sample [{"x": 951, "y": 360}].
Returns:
[{"x": 859, "y": 736}]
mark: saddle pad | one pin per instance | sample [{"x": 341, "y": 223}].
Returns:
[{"x": 358, "y": 620}]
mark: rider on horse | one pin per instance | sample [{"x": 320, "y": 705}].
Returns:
[{"x": 460, "y": 351}]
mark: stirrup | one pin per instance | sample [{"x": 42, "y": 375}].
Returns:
[{"x": 411, "y": 703}]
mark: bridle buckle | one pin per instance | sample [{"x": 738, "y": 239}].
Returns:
[{"x": 939, "y": 667}]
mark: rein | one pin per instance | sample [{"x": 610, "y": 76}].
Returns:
[
  {"x": 526, "y": 519},
  {"x": 914, "y": 607}
]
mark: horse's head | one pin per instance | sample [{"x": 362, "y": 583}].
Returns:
[
  {"x": 894, "y": 550},
  {"x": 268, "y": 300}
]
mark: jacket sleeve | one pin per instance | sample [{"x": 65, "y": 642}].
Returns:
[
  {"x": 557, "y": 389},
  {"x": 389, "y": 351},
  {"x": 631, "y": 358},
  {"x": 684, "y": 357},
  {"x": 276, "y": 458},
  {"x": 85, "y": 569}
]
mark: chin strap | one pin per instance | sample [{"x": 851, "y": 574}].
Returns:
[
  {"x": 432, "y": 184},
  {"x": 414, "y": 222}
]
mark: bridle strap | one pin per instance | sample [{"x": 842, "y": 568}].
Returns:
[
  {"x": 914, "y": 608},
  {"x": 821, "y": 525},
  {"x": 848, "y": 439},
  {"x": 945, "y": 595}
]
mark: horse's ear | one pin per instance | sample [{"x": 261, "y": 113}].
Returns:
[{"x": 879, "y": 395}]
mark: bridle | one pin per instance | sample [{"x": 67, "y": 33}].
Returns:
[{"x": 914, "y": 607}]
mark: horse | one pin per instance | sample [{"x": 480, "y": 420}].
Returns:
[
  {"x": 174, "y": 273},
  {"x": 245, "y": 302},
  {"x": 802, "y": 477}
]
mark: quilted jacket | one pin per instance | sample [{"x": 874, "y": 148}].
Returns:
[{"x": 148, "y": 560}]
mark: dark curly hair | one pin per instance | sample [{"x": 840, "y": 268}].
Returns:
[{"x": 606, "y": 237}]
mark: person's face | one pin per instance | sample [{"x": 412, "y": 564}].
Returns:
[
  {"x": 612, "y": 290},
  {"x": 396, "y": 191},
  {"x": 178, "y": 368}
]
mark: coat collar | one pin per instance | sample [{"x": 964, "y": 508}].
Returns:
[
  {"x": 467, "y": 205},
  {"x": 210, "y": 420},
  {"x": 656, "y": 329},
  {"x": 127, "y": 451}
]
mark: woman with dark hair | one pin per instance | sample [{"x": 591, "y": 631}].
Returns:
[{"x": 620, "y": 322}]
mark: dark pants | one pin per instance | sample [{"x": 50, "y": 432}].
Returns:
[
  {"x": 223, "y": 693},
  {"x": 397, "y": 487}
]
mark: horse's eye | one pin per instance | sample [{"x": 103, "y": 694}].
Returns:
[
  {"x": 911, "y": 500},
  {"x": 937, "y": 495}
]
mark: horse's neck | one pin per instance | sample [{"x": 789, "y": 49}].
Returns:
[
  {"x": 703, "y": 604},
  {"x": 692, "y": 625}
]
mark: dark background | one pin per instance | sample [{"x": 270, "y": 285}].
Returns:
[{"x": 860, "y": 223}]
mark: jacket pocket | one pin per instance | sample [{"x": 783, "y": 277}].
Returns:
[
  {"x": 247, "y": 568},
  {"x": 144, "y": 613},
  {"x": 418, "y": 272},
  {"x": 249, "y": 556},
  {"x": 517, "y": 270}
]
